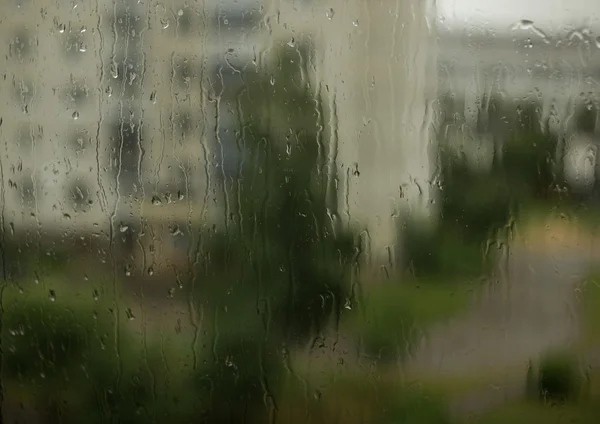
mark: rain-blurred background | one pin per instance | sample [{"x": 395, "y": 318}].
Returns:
[{"x": 299, "y": 211}]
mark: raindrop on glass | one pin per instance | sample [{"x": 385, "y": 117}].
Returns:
[
  {"x": 175, "y": 231},
  {"x": 129, "y": 314}
]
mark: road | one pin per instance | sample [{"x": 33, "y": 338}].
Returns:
[{"x": 528, "y": 307}]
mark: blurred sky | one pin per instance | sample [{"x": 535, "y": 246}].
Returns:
[{"x": 551, "y": 16}]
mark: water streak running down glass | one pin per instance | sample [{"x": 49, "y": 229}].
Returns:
[{"x": 250, "y": 211}]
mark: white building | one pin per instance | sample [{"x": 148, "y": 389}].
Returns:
[
  {"x": 375, "y": 63},
  {"x": 115, "y": 115}
]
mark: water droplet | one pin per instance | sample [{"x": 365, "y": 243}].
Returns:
[
  {"x": 75, "y": 115},
  {"x": 95, "y": 295},
  {"x": 108, "y": 91},
  {"x": 67, "y": 216},
  {"x": 85, "y": 277},
  {"x": 83, "y": 29},
  {"x": 62, "y": 28},
  {"x": 129, "y": 314},
  {"x": 127, "y": 270},
  {"x": 292, "y": 42},
  {"x": 52, "y": 296},
  {"x": 180, "y": 195},
  {"x": 171, "y": 293},
  {"x": 164, "y": 23},
  {"x": 123, "y": 228},
  {"x": 151, "y": 271},
  {"x": 524, "y": 24},
  {"x": 272, "y": 80},
  {"x": 598, "y": 41},
  {"x": 317, "y": 395},
  {"x": 114, "y": 72},
  {"x": 156, "y": 200},
  {"x": 82, "y": 48},
  {"x": 355, "y": 22},
  {"x": 180, "y": 12},
  {"x": 175, "y": 231},
  {"x": 329, "y": 13},
  {"x": 153, "y": 97},
  {"x": 348, "y": 304}
]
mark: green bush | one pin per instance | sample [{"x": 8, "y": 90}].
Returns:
[
  {"x": 61, "y": 357},
  {"x": 388, "y": 326},
  {"x": 559, "y": 377},
  {"x": 417, "y": 407}
]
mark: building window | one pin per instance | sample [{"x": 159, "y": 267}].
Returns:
[
  {"x": 237, "y": 19},
  {"x": 76, "y": 94},
  {"x": 22, "y": 44},
  {"x": 126, "y": 138},
  {"x": 183, "y": 123},
  {"x": 185, "y": 20},
  {"x": 79, "y": 195},
  {"x": 79, "y": 140},
  {"x": 27, "y": 192},
  {"x": 124, "y": 75},
  {"x": 75, "y": 44},
  {"x": 183, "y": 72},
  {"x": 24, "y": 138},
  {"x": 23, "y": 90}
]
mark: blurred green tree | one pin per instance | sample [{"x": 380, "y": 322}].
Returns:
[
  {"x": 476, "y": 206},
  {"x": 280, "y": 271}
]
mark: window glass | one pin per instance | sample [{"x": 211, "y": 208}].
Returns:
[{"x": 296, "y": 211}]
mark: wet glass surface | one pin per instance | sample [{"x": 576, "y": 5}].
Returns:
[{"x": 298, "y": 211}]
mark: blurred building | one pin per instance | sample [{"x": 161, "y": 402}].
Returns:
[
  {"x": 559, "y": 75},
  {"x": 53, "y": 115},
  {"x": 114, "y": 113},
  {"x": 375, "y": 64},
  {"x": 112, "y": 108}
]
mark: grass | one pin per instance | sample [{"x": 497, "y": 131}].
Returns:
[
  {"x": 581, "y": 215},
  {"x": 457, "y": 386},
  {"x": 429, "y": 301},
  {"x": 393, "y": 316},
  {"x": 524, "y": 412},
  {"x": 433, "y": 302},
  {"x": 589, "y": 298}
]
